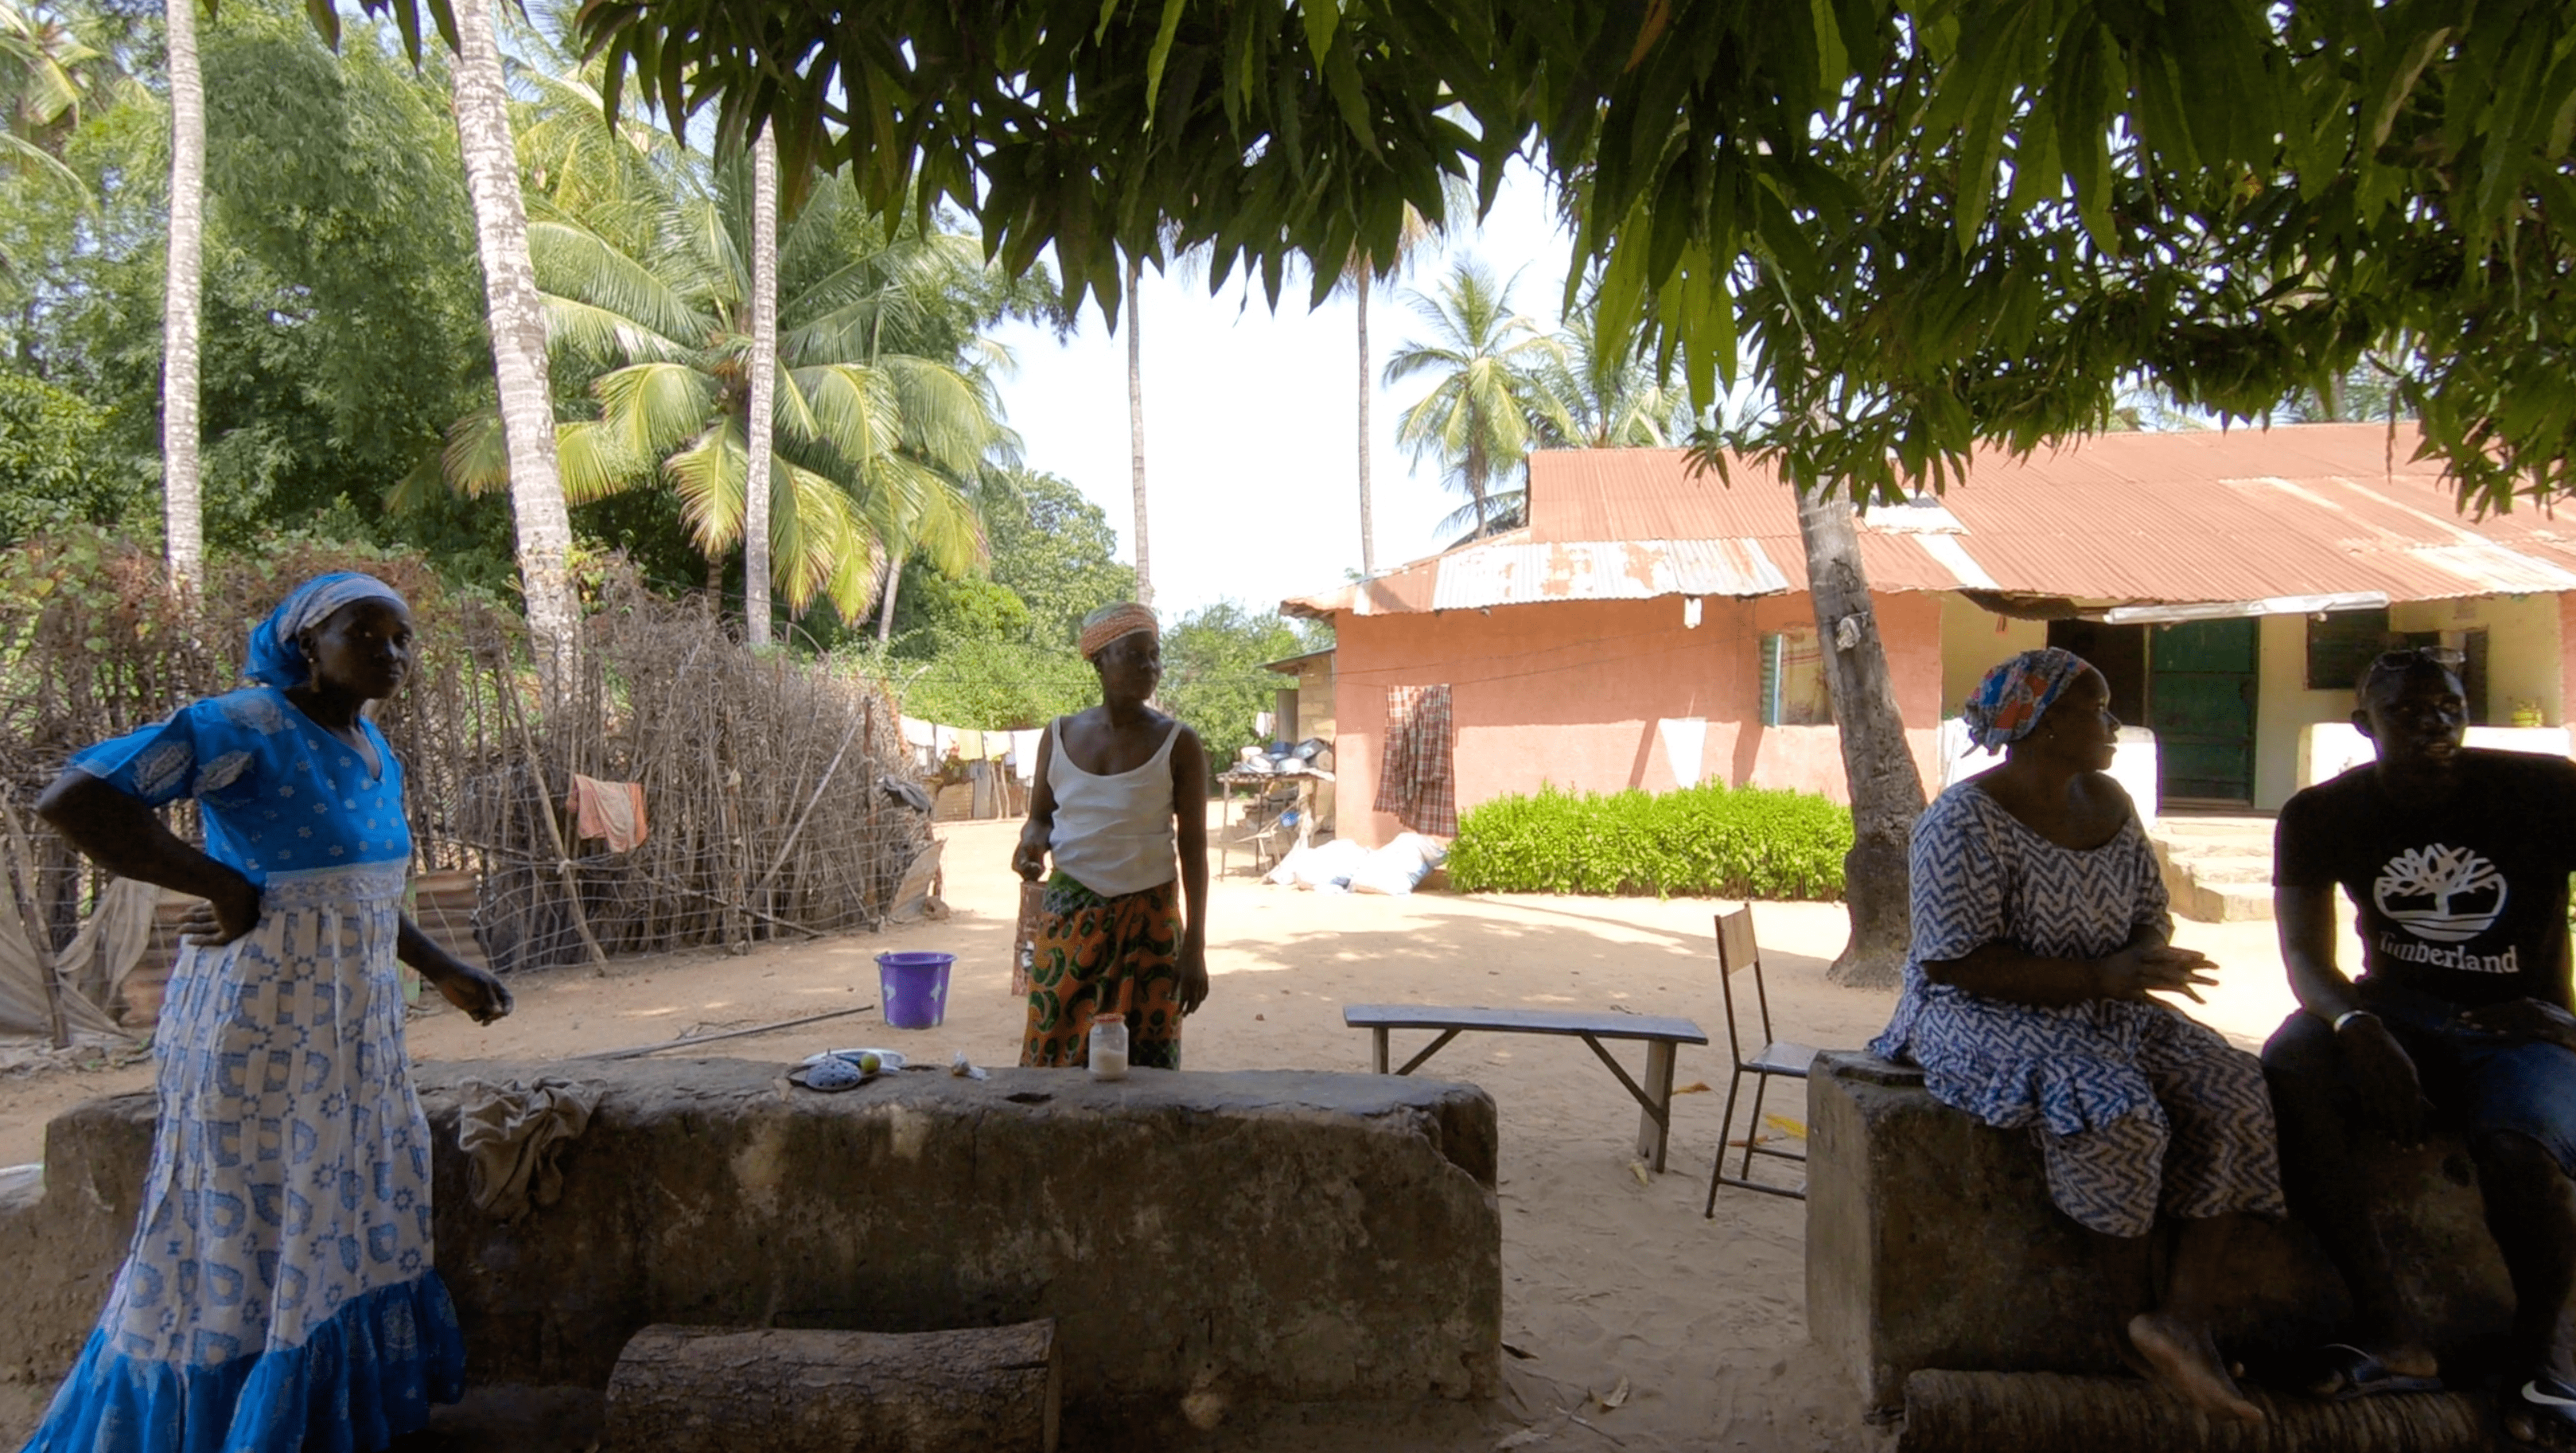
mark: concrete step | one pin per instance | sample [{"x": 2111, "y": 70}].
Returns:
[
  {"x": 2224, "y": 902},
  {"x": 2238, "y": 869},
  {"x": 2216, "y": 869}
]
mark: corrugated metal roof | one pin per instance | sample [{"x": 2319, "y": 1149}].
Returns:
[
  {"x": 1498, "y": 574},
  {"x": 2244, "y": 515}
]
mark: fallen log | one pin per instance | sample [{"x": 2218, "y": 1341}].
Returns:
[
  {"x": 718, "y": 1389},
  {"x": 2046, "y": 1412}
]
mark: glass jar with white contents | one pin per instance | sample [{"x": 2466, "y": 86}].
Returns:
[{"x": 1108, "y": 1052}]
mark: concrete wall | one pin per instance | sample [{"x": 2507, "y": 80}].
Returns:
[
  {"x": 2523, "y": 646},
  {"x": 1975, "y": 640},
  {"x": 2284, "y": 708},
  {"x": 1931, "y": 1242},
  {"x": 1593, "y": 695},
  {"x": 2524, "y": 649},
  {"x": 1280, "y": 1237},
  {"x": 1313, "y": 683}
]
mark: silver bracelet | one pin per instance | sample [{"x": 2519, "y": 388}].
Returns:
[{"x": 2349, "y": 1015}]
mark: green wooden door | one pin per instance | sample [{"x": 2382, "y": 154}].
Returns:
[{"x": 2200, "y": 704}]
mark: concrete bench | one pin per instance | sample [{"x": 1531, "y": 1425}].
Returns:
[
  {"x": 1932, "y": 1243},
  {"x": 1662, "y": 1035},
  {"x": 1283, "y": 1237}
]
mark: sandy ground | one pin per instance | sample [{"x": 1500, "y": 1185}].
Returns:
[{"x": 1607, "y": 1279}]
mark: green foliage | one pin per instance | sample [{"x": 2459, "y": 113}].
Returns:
[
  {"x": 53, "y": 466},
  {"x": 1056, "y": 551},
  {"x": 1489, "y": 400},
  {"x": 885, "y": 415},
  {"x": 342, "y": 310},
  {"x": 1936, "y": 223},
  {"x": 1706, "y": 841},
  {"x": 1048, "y": 548},
  {"x": 1212, "y": 676},
  {"x": 986, "y": 683},
  {"x": 967, "y": 608}
]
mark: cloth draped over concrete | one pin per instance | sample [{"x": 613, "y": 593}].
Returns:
[
  {"x": 100, "y": 956},
  {"x": 1415, "y": 779},
  {"x": 511, "y": 1135},
  {"x": 610, "y": 810}
]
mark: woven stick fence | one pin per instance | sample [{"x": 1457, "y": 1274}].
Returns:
[{"x": 764, "y": 778}]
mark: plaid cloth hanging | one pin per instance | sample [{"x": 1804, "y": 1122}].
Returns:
[{"x": 1414, "y": 779}]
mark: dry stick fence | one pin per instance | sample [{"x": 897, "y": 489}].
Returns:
[{"x": 764, "y": 778}]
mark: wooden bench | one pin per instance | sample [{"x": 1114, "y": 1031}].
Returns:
[{"x": 1661, "y": 1035}]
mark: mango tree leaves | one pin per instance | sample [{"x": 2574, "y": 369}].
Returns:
[{"x": 1929, "y": 222}]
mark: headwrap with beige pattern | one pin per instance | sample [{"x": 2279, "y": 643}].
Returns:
[{"x": 1110, "y": 622}]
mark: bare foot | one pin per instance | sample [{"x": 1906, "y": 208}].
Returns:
[{"x": 2181, "y": 1359}]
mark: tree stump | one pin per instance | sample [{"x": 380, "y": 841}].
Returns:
[
  {"x": 2042, "y": 1412},
  {"x": 717, "y": 1389}
]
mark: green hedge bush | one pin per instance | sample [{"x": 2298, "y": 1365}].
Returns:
[{"x": 1706, "y": 841}]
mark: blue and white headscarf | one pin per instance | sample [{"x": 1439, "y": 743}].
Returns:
[
  {"x": 276, "y": 656},
  {"x": 2008, "y": 703}
]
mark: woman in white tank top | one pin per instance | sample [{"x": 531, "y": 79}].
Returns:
[{"x": 1120, "y": 802}]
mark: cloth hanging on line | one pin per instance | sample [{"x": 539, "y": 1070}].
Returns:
[
  {"x": 1415, "y": 779},
  {"x": 610, "y": 810},
  {"x": 1023, "y": 755}
]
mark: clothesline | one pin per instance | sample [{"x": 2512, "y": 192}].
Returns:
[{"x": 932, "y": 743}]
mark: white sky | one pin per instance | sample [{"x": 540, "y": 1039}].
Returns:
[{"x": 1251, "y": 464}]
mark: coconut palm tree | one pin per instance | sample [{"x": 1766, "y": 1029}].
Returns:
[
  {"x": 526, "y": 460},
  {"x": 1136, "y": 425},
  {"x": 182, "y": 485},
  {"x": 48, "y": 73},
  {"x": 1614, "y": 397},
  {"x": 1359, "y": 271},
  {"x": 875, "y": 447},
  {"x": 1489, "y": 401},
  {"x": 761, "y": 405}
]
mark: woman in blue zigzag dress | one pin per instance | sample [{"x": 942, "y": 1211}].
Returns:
[
  {"x": 2040, "y": 940},
  {"x": 278, "y": 1294}
]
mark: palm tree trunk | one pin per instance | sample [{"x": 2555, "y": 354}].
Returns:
[
  {"x": 1368, "y": 532},
  {"x": 885, "y": 598},
  {"x": 182, "y": 501},
  {"x": 1136, "y": 427},
  {"x": 764, "y": 383},
  {"x": 518, "y": 328},
  {"x": 1886, "y": 791}
]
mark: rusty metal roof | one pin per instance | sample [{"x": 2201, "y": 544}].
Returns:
[{"x": 2136, "y": 519}]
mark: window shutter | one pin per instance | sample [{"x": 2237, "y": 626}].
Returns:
[
  {"x": 2342, "y": 646},
  {"x": 1770, "y": 647}
]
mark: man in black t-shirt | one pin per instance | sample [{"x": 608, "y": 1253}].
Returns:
[{"x": 2458, "y": 861}]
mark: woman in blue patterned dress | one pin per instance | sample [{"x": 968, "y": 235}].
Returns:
[
  {"x": 2040, "y": 939},
  {"x": 278, "y": 1294}
]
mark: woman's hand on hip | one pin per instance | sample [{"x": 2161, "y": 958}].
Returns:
[
  {"x": 2152, "y": 968},
  {"x": 231, "y": 912}
]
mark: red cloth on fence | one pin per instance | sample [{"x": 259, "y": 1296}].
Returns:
[
  {"x": 610, "y": 810},
  {"x": 1415, "y": 780}
]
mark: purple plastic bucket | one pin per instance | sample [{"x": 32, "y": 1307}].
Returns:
[{"x": 913, "y": 988}]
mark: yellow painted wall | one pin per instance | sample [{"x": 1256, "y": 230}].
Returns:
[
  {"x": 1971, "y": 645},
  {"x": 2522, "y": 646},
  {"x": 2284, "y": 706},
  {"x": 1314, "y": 680}
]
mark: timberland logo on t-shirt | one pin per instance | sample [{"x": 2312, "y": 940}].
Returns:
[{"x": 2444, "y": 894}]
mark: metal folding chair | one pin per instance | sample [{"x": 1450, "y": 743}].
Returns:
[{"x": 1736, "y": 951}]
